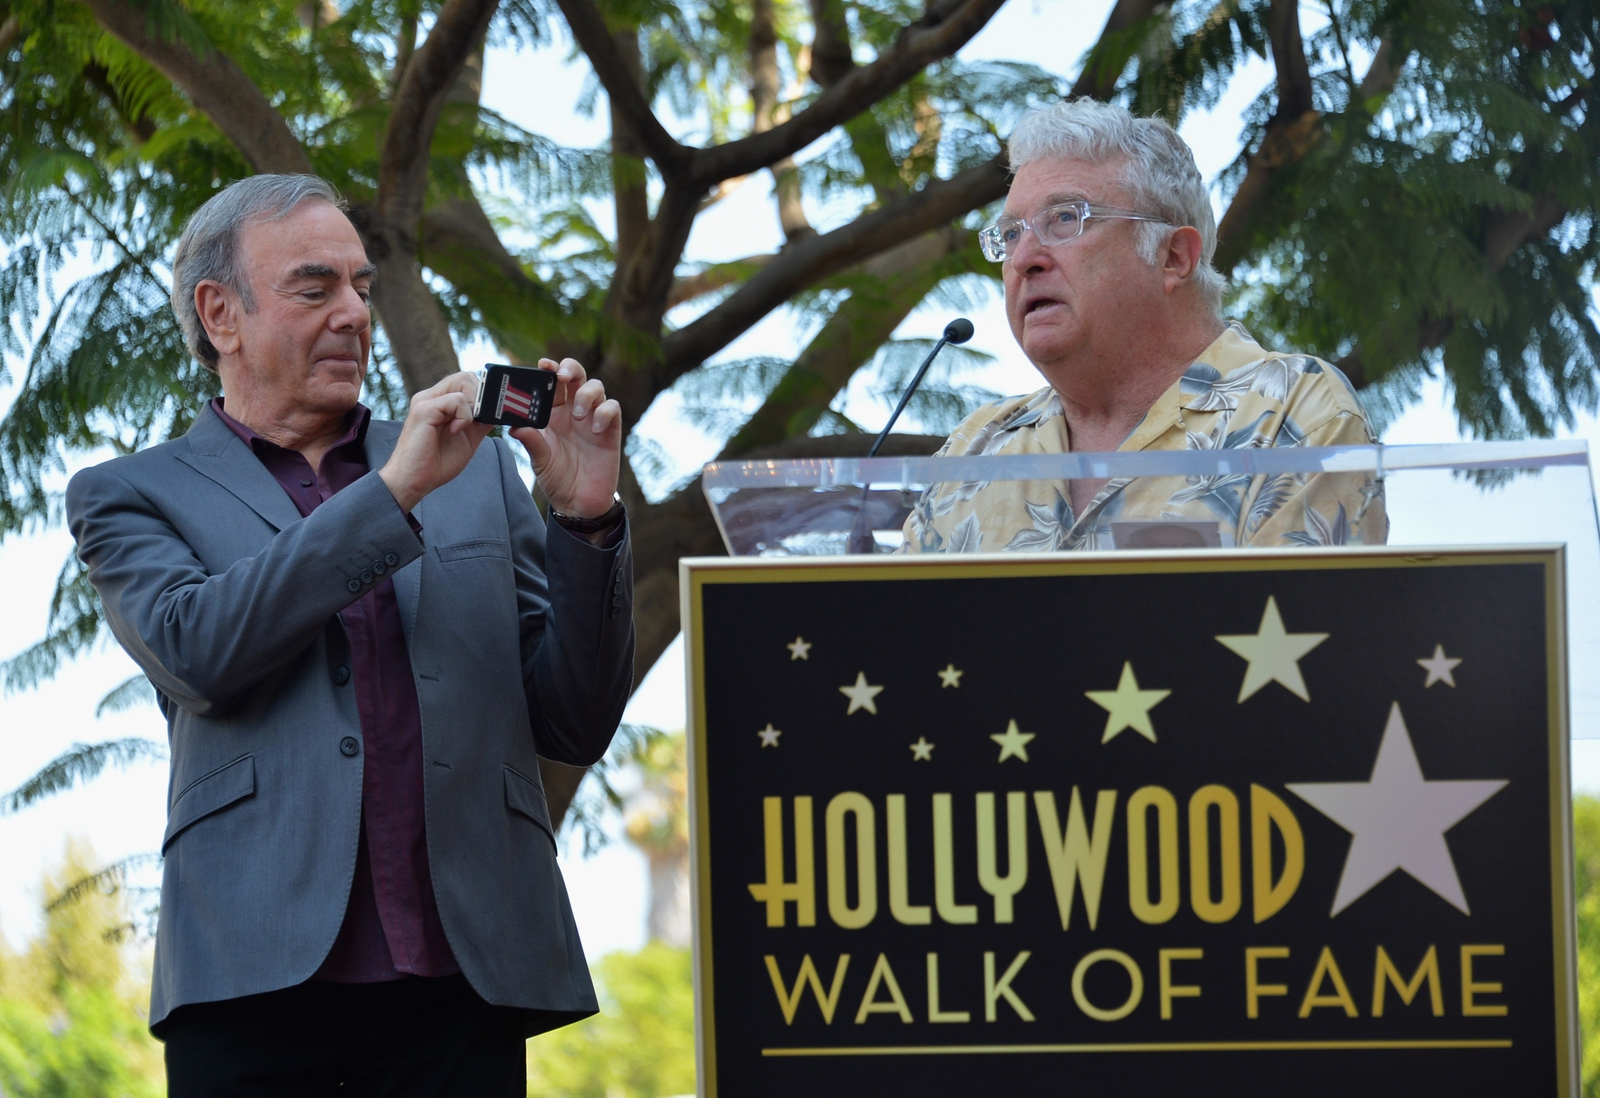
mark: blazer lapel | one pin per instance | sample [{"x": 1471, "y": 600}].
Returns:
[
  {"x": 219, "y": 454},
  {"x": 381, "y": 437}
]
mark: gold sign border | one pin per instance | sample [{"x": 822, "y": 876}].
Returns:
[{"x": 696, "y": 573}]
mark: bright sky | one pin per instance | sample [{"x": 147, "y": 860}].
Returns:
[{"x": 122, "y": 813}]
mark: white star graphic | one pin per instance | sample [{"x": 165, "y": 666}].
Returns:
[
  {"x": 1013, "y": 742},
  {"x": 769, "y": 735},
  {"x": 799, "y": 649},
  {"x": 950, "y": 676},
  {"x": 1439, "y": 668},
  {"x": 1398, "y": 819},
  {"x": 1274, "y": 654},
  {"x": 922, "y": 750},
  {"x": 861, "y": 695}
]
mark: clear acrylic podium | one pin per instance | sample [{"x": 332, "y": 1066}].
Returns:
[{"x": 1444, "y": 495}]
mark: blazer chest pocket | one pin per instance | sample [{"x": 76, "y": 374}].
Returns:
[
  {"x": 525, "y": 797},
  {"x": 210, "y": 793},
  {"x": 478, "y": 547}
]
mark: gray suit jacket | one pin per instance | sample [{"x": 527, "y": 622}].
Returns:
[{"x": 229, "y": 601}]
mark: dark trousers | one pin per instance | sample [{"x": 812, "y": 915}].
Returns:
[{"x": 407, "y": 1038}]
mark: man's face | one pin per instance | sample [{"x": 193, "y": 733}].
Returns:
[
  {"x": 308, "y": 339},
  {"x": 1075, "y": 297}
]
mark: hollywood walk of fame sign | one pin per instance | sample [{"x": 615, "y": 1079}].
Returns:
[{"x": 1119, "y": 824}]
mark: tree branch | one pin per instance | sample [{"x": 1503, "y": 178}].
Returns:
[
  {"x": 1111, "y": 50},
  {"x": 589, "y": 28},
  {"x": 1289, "y": 59},
  {"x": 937, "y": 35},
  {"x": 899, "y": 279},
  {"x": 216, "y": 86},
  {"x": 715, "y": 277},
  {"x": 804, "y": 263},
  {"x": 428, "y": 79},
  {"x": 832, "y": 58},
  {"x": 418, "y": 333}
]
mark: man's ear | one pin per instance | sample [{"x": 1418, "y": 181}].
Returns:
[
  {"x": 218, "y": 308},
  {"x": 1180, "y": 257}
]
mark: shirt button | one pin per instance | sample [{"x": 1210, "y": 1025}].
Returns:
[
  {"x": 366, "y": 575},
  {"x": 349, "y": 747},
  {"x": 353, "y": 586},
  {"x": 379, "y": 568},
  {"x": 305, "y": 484},
  {"x": 341, "y": 675},
  {"x": 391, "y": 558}
]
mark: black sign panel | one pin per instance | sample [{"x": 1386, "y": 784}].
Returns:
[{"x": 1213, "y": 824}]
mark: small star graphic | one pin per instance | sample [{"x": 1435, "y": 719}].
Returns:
[
  {"x": 1013, "y": 742},
  {"x": 800, "y": 649},
  {"x": 1128, "y": 706},
  {"x": 1440, "y": 668},
  {"x": 769, "y": 735},
  {"x": 861, "y": 695},
  {"x": 922, "y": 750},
  {"x": 1274, "y": 654},
  {"x": 950, "y": 676}
]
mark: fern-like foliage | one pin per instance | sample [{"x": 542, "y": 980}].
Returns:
[{"x": 79, "y": 763}]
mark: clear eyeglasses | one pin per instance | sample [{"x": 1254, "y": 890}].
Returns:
[{"x": 1052, "y": 225}]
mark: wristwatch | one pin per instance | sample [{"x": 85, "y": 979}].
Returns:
[{"x": 591, "y": 525}]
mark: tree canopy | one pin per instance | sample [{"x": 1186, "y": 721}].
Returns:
[{"x": 1413, "y": 193}]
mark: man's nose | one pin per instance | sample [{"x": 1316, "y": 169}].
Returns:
[
  {"x": 1027, "y": 254},
  {"x": 350, "y": 312}
]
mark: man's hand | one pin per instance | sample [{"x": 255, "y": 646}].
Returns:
[
  {"x": 438, "y": 440},
  {"x": 577, "y": 457}
]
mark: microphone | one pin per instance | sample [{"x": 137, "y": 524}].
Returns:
[{"x": 958, "y": 330}]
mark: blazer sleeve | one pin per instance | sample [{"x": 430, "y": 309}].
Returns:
[
  {"x": 204, "y": 639},
  {"x": 575, "y": 607}
]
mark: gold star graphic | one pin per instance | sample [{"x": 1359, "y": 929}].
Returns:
[
  {"x": 1440, "y": 668},
  {"x": 769, "y": 735},
  {"x": 950, "y": 676},
  {"x": 800, "y": 649},
  {"x": 1128, "y": 706},
  {"x": 1274, "y": 654},
  {"x": 1013, "y": 742},
  {"x": 861, "y": 695},
  {"x": 922, "y": 750}
]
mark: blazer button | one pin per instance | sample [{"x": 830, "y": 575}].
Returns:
[
  {"x": 353, "y": 586},
  {"x": 366, "y": 575},
  {"x": 391, "y": 558},
  {"x": 341, "y": 675},
  {"x": 379, "y": 568},
  {"x": 349, "y": 747}
]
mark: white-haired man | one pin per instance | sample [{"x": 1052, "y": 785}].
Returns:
[{"x": 1106, "y": 243}]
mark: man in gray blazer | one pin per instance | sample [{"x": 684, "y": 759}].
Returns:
[{"x": 362, "y": 636}]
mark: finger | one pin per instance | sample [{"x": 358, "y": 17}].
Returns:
[
  {"x": 570, "y": 375},
  {"x": 589, "y": 394},
  {"x": 606, "y": 415},
  {"x": 533, "y": 441}
]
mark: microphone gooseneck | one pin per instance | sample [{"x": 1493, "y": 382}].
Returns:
[{"x": 958, "y": 330}]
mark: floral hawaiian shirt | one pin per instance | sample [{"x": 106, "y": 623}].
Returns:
[{"x": 1235, "y": 396}]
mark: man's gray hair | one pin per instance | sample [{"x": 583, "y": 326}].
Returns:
[
  {"x": 209, "y": 247},
  {"x": 1159, "y": 174}
]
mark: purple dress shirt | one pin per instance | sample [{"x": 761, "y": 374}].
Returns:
[{"x": 391, "y": 925}]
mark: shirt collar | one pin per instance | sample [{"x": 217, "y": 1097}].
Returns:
[{"x": 355, "y": 426}]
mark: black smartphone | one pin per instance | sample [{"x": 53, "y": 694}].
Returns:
[{"x": 515, "y": 396}]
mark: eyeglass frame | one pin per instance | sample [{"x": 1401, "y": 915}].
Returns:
[{"x": 989, "y": 238}]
